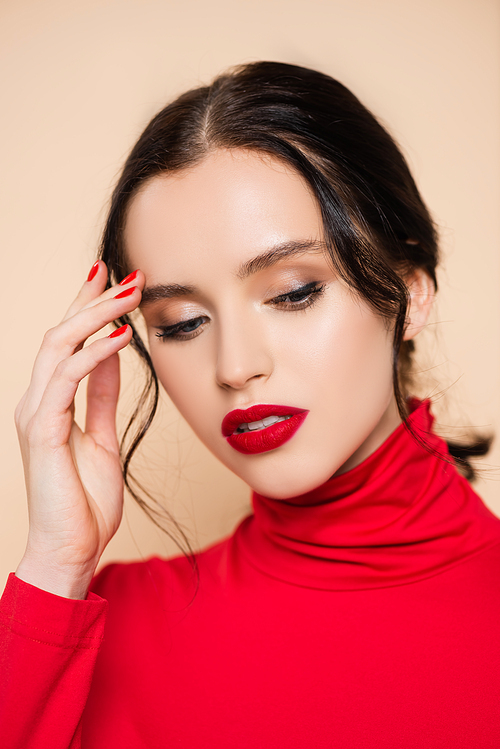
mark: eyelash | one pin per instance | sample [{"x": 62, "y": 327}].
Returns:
[
  {"x": 173, "y": 332},
  {"x": 309, "y": 293},
  {"x": 299, "y": 299}
]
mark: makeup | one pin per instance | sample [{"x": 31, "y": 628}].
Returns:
[{"x": 261, "y": 428}]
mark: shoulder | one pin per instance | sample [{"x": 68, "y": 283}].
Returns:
[{"x": 139, "y": 580}]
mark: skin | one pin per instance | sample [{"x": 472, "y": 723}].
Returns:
[{"x": 251, "y": 343}]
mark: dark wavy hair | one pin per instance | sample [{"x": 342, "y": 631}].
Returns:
[{"x": 377, "y": 227}]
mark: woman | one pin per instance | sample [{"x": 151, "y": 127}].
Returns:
[{"x": 270, "y": 233}]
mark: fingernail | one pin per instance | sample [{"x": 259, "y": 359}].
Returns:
[
  {"x": 93, "y": 271},
  {"x": 128, "y": 279},
  {"x": 118, "y": 332},
  {"x": 127, "y": 292}
]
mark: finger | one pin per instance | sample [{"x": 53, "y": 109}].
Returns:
[
  {"x": 102, "y": 398},
  {"x": 64, "y": 340},
  {"x": 94, "y": 292},
  {"x": 53, "y": 421},
  {"x": 135, "y": 279},
  {"x": 92, "y": 288},
  {"x": 19, "y": 410}
]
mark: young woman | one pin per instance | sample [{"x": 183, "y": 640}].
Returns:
[{"x": 270, "y": 233}]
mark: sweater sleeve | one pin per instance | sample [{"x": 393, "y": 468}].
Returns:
[{"x": 48, "y": 649}]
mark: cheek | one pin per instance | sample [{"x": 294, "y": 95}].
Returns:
[
  {"x": 185, "y": 377},
  {"x": 360, "y": 355},
  {"x": 343, "y": 355},
  {"x": 354, "y": 384}
]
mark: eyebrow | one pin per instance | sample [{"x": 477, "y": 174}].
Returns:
[
  {"x": 265, "y": 260},
  {"x": 279, "y": 252},
  {"x": 160, "y": 291}
]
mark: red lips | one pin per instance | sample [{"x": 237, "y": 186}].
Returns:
[{"x": 268, "y": 438}]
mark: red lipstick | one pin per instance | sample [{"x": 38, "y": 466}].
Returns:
[{"x": 261, "y": 428}]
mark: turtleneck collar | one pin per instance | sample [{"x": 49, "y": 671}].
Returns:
[{"x": 402, "y": 515}]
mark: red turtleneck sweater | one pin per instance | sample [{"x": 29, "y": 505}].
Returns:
[{"x": 363, "y": 614}]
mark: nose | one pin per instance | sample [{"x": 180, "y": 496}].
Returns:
[{"x": 242, "y": 355}]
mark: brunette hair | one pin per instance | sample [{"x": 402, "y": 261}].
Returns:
[{"x": 377, "y": 228}]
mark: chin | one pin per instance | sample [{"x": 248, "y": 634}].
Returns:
[{"x": 285, "y": 482}]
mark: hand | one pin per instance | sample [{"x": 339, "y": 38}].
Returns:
[{"x": 73, "y": 477}]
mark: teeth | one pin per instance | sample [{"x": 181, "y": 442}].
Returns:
[
  {"x": 270, "y": 420},
  {"x": 253, "y": 426}
]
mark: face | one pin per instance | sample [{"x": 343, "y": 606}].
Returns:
[{"x": 245, "y": 313}]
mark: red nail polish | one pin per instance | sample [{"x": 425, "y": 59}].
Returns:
[
  {"x": 128, "y": 279},
  {"x": 93, "y": 271},
  {"x": 127, "y": 292},
  {"x": 118, "y": 332}
]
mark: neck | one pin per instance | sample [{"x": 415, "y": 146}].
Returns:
[{"x": 385, "y": 427}]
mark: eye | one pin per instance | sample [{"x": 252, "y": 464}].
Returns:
[
  {"x": 300, "y": 298},
  {"x": 182, "y": 331}
]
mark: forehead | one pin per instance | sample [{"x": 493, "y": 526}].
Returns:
[{"x": 218, "y": 214}]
